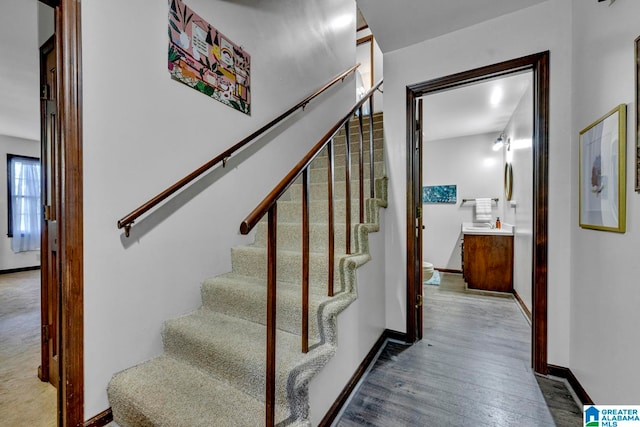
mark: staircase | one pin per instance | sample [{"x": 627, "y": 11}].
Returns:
[{"x": 212, "y": 371}]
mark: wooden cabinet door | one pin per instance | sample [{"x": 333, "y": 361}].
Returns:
[{"x": 488, "y": 262}]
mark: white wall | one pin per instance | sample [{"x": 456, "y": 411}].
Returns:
[
  {"x": 539, "y": 28},
  {"x": 19, "y": 70},
  {"x": 19, "y": 108},
  {"x": 8, "y": 259},
  {"x": 519, "y": 211},
  {"x": 471, "y": 164},
  {"x": 605, "y": 298},
  {"x": 46, "y": 23},
  {"x": 378, "y": 69},
  {"x": 359, "y": 327},
  {"x": 143, "y": 131}
]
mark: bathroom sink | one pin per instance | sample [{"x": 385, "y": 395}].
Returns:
[{"x": 471, "y": 228}]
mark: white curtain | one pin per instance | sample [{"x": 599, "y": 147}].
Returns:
[{"x": 25, "y": 204}]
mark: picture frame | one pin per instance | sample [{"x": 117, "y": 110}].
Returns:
[
  {"x": 440, "y": 194},
  {"x": 637, "y": 117},
  {"x": 602, "y": 204},
  {"x": 508, "y": 181}
]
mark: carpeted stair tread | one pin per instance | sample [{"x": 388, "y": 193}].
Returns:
[
  {"x": 231, "y": 349},
  {"x": 291, "y": 211},
  {"x": 290, "y": 236},
  {"x": 318, "y": 190},
  {"x": 165, "y": 392},
  {"x": 321, "y": 159},
  {"x": 245, "y": 297},
  {"x": 252, "y": 261}
]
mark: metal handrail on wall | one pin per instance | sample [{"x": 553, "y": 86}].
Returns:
[
  {"x": 268, "y": 207},
  {"x": 127, "y": 221}
]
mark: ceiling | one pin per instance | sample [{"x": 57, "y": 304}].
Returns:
[
  {"x": 469, "y": 110},
  {"x": 463, "y": 111},
  {"x": 400, "y": 23}
]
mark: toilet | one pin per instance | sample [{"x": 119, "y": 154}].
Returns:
[{"x": 427, "y": 270}]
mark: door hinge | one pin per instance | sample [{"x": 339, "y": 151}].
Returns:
[
  {"x": 44, "y": 91},
  {"x": 47, "y": 213},
  {"x": 419, "y": 303},
  {"x": 45, "y": 333},
  {"x": 418, "y": 211}
]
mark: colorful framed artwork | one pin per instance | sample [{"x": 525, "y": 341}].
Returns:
[
  {"x": 206, "y": 60},
  {"x": 637, "y": 144},
  {"x": 602, "y": 172},
  {"x": 439, "y": 194}
]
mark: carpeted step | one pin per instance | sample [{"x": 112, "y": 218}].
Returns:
[
  {"x": 244, "y": 297},
  {"x": 252, "y": 261},
  {"x": 165, "y": 392},
  {"x": 319, "y": 191},
  {"x": 321, "y": 160},
  {"x": 319, "y": 174},
  {"x": 290, "y": 236},
  {"x": 231, "y": 349},
  {"x": 354, "y": 139},
  {"x": 291, "y": 211}
]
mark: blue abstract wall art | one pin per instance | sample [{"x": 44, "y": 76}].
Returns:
[{"x": 439, "y": 194}]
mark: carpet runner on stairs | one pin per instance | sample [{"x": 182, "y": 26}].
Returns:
[{"x": 212, "y": 371}]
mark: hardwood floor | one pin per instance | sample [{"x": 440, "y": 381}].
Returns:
[{"x": 471, "y": 369}]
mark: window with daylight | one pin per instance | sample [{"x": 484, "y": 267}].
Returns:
[{"x": 23, "y": 178}]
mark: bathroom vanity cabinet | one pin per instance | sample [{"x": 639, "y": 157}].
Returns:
[{"x": 488, "y": 262}]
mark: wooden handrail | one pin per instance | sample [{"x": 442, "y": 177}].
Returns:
[
  {"x": 260, "y": 211},
  {"x": 269, "y": 207},
  {"x": 127, "y": 221}
]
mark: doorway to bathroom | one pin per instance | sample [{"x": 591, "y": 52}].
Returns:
[{"x": 535, "y": 68}]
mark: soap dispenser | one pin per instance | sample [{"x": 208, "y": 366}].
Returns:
[{"x": 498, "y": 223}]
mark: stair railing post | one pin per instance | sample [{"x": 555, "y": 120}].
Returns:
[
  {"x": 305, "y": 260},
  {"x": 371, "y": 156},
  {"x": 360, "y": 166},
  {"x": 347, "y": 183},
  {"x": 330, "y": 221},
  {"x": 270, "y": 378}
]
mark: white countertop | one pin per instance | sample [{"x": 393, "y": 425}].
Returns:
[{"x": 484, "y": 229}]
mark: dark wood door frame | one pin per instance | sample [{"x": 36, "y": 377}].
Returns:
[
  {"x": 539, "y": 65},
  {"x": 70, "y": 219}
]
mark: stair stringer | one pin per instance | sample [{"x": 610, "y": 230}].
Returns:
[{"x": 320, "y": 354}]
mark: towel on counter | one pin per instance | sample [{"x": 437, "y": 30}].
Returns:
[{"x": 483, "y": 209}]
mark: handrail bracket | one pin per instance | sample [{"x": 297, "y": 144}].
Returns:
[{"x": 127, "y": 229}]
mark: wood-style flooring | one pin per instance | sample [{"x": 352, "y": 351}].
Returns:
[{"x": 472, "y": 368}]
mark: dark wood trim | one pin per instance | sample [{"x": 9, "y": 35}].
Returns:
[
  {"x": 396, "y": 335},
  {"x": 100, "y": 420},
  {"x": 410, "y": 214},
  {"x": 52, "y": 3},
  {"x": 47, "y": 48},
  {"x": 539, "y": 64},
  {"x": 522, "y": 304},
  {"x": 448, "y": 270},
  {"x": 562, "y": 372},
  {"x": 70, "y": 249},
  {"x": 19, "y": 270},
  {"x": 344, "y": 395}
]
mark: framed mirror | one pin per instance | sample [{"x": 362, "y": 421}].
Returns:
[{"x": 508, "y": 181}]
